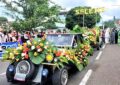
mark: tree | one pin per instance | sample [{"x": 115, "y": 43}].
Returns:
[
  {"x": 34, "y": 13},
  {"x": 110, "y": 24},
  {"x": 4, "y": 23},
  {"x": 3, "y": 20},
  {"x": 90, "y": 20}
]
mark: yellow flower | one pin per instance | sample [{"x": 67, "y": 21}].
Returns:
[
  {"x": 11, "y": 56},
  {"x": 20, "y": 48},
  {"x": 15, "y": 52},
  {"x": 28, "y": 42},
  {"x": 35, "y": 43},
  {"x": 35, "y": 54},
  {"x": 41, "y": 44},
  {"x": 49, "y": 57}
]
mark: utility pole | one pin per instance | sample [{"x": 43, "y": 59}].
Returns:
[{"x": 83, "y": 20}]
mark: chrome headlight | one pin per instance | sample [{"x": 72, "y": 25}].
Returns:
[
  {"x": 11, "y": 68},
  {"x": 45, "y": 72}
]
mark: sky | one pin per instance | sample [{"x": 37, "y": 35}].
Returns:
[{"x": 112, "y": 7}]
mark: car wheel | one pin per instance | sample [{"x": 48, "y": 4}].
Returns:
[
  {"x": 60, "y": 77},
  {"x": 26, "y": 67}
]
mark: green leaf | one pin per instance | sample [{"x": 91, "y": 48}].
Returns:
[
  {"x": 30, "y": 54},
  {"x": 60, "y": 64},
  {"x": 38, "y": 59},
  {"x": 80, "y": 67},
  {"x": 64, "y": 59},
  {"x": 18, "y": 56},
  {"x": 85, "y": 61}
]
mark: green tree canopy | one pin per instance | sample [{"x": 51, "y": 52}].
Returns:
[
  {"x": 110, "y": 24},
  {"x": 90, "y": 20},
  {"x": 3, "y": 20},
  {"x": 32, "y": 13}
]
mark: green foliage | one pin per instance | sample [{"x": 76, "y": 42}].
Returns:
[
  {"x": 79, "y": 66},
  {"x": 90, "y": 20},
  {"x": 78, "y": 29},
  {"x": 34, "y": 13},
  {"x": 3, "y": 19},
  {"x": 38, "y": 59},
  {"x": 3, "y": 22},
  {"x": 110, "y": 24}
]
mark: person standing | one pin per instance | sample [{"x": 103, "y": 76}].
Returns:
[
  {"x": 113, "y": 36},
  {"x": 107, "y": 35},
  {"x": 103, "y": 36},
  {"x": 116, "y": 36},
  {"x": 1, "y": 35},
  {"x": 5, "y": 36}
]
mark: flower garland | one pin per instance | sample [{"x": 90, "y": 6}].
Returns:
[{"x": 39, "y": 51}]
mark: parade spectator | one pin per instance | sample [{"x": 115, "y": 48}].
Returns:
[
  {"x": 107, "y": 35},
  {"x": 10, "y": 36},
  {"x": 1, "y": 35},
  {"x": 41, "y": 34},
  {"x": 103, "y": 36},
  {"x": 112, "y": 37},
  {"x": 19, "y": 38},
  {"x": 116, "y": 36},
  {"x": 14, "y": 36},
  {"x": 27, "y": 36},
  {"x": 6, "y": 39}
]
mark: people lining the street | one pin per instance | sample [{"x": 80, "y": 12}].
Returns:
[
  {"x": 1, "y": 35},
  {"x": 114, "y": 36},
  {"x": 108, "y": 35}
]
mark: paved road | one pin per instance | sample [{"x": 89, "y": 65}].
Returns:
[{"x": 105, "y": 71}]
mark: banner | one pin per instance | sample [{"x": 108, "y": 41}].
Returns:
[
  {"x": 6, "y": 45},
  {"x": 89, "y": 10}
]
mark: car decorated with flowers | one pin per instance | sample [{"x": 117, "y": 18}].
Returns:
[{"x": 47, "y": 58}]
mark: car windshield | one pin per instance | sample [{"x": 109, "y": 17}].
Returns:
[{"x": 63, "y": 40}]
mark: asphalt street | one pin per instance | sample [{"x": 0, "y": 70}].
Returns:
[{"x": 103, "y": 69}]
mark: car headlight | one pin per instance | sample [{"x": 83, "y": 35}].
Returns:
[
  {"x": 45, "y": 72},
  {"x": 11, "y": 68}
]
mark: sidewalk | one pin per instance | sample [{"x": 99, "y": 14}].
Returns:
[{"x": 106, "y": 71}]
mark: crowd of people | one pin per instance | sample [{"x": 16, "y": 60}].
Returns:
[
  {"x": 14, "y": 36},
  {"x": 110, "y": 35}
]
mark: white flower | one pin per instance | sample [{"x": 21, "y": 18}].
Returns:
[
  {"x": 38, "y": 50},
  {"x": 28, "y": 42},
  {"x": 45, "y": 47},
  {"x": 23, "y": 54},
  {"x": 55, "y": 59},
  {"x": 17, "y": 48},
  {"x": 32, "y": 47},
  {"x": 39, "y": 40}
]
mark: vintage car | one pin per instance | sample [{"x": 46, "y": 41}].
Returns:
[{"x": 28, "y": 71}]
